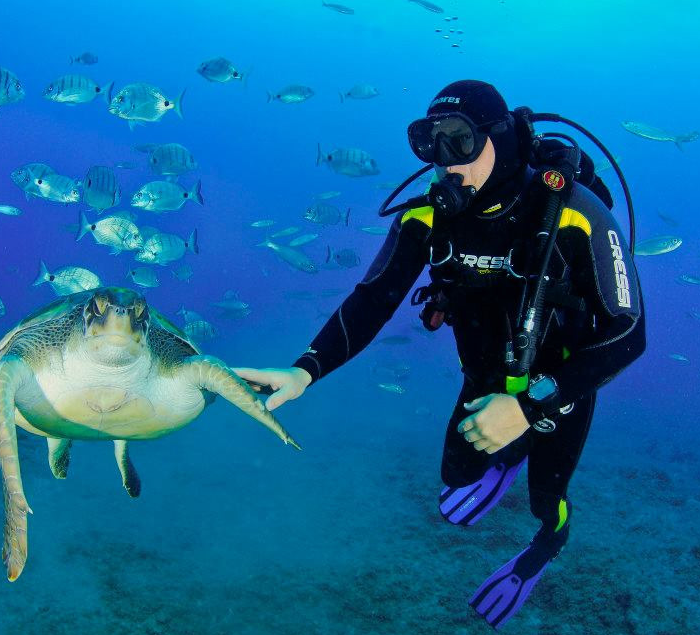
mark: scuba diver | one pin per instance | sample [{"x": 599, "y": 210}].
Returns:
[{"x": 533, "y": 274}]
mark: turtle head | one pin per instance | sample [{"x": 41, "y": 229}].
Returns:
[{"x": 115, "y": 325}]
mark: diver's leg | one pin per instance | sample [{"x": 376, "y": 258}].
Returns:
[
  {"x": 553, "y": 458},
  {"x": 475, "y": 480}
]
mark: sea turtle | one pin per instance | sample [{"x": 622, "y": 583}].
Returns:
[{"x": 101, "y": 364}]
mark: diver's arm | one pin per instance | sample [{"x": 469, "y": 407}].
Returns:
[
  {"x": 375, "y": 299},
  {"x": 604, "y": 275}
]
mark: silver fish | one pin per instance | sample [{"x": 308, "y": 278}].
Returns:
[
  {"x": 325, "y": 214},
  {"x": 694, "y": 314},
  {"x": 285, "y": 232},
  {"x": 9, "y": 210},
  {"x": 100, "y": 188},
  {"x": 189, "y": 316},
  {"x": 143, "y": 102},
  {"x": 24, "y": 177},
  {"x": 387, "y": 185},
  {"x": 171, "y": 159},
  {"x": 58, "y": 188},
  {"x": 688, "y": 279},
  {"x": 295, "y": 258},
  {"x": 324, "y": 196},
  {"x": 428, "y": 5},
  {"x": 233, "y": 306},
  {"x": 375, "y": 231},
  {"x": 68, "y": 279},
  {"x": 126, "y": 165},
  {"x": 679, "y": 358},
  {"x": 2, "y": 309},
  {"x": 345, "y": 257},
  {"x": 115, "y": 232},
  {"x": 304, "y": 239},
  {"x": 669, "y": 220},
  {"x": 658, "y": 245},
  {"x": 164, "y": 248},
  {"x": 183, "y": 272},
  {"x": 293, "y": 94},
  {"x": 143, "y": 277},
  {"x": 604, "y": 164},
  {"x": 11, "y": 89},
  {"x": 395, "y": 388},
  {"x": 392, "y": 371},
  {"x": 360, "y": 91},
  {"x": 87, "y": 58},
  {"x": 338, "y": 7},
  {"x": 76, "y": 89},
  {"x": 348, "y": 161},
  {"x": 656, "y": 134},
  {"x": 221, "y": 70},
  {"x": 163, "y": 196},
  {"x": 262, "y": 223},
  {"x": 200, "y": 331}
]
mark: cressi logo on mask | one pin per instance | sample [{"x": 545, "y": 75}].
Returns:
[
  {"x": 445, "y": 100},
  {"x": 621, "y": 279}
]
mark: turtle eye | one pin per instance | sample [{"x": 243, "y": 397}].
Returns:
[
  {"x": 139, "y": 309},
  {"x": 99, "y": 305}
]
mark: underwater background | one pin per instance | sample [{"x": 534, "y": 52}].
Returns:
[{"x": 235, "y": 532}]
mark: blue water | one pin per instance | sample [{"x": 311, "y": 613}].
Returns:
[{"x": 236, "y": 533}]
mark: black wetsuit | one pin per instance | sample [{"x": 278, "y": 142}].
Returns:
[{"x": 582, "y": 349}]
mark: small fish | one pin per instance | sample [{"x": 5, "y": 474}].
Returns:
[
  {"x": 604, "y": 164},
  {"x": 345, "y": 257},
  {"x": 387, "y": 185},
  {"x": 375, "y": 231},
  {"x": 183, "y": 272},
  {"x": 146, "y": 148},
  {"x": 2, "y": 309},
  {"x": 233, "y": 306},
  {"x": 25, "y": 176},
  {"x": 143, "y": 277},
  {"x": 262, "y": 223},
  {"x": 11, "y": 90},
  {"x": 392, "y": 371},
  {"x": 293, "y": 257},
  {"x": 285, "y": 232},
  {"x": 293, "y": 94},
  {"x": 679, "y": 358},
  {"x": 8, "y": 210},
  {"x": 58, "y": 188},
  {"x": 325, "y": 214},
  {"x": 189, "y": 316},
  {"x": 76, "y": 89},
  {"x": 348, "y": 161},
  {"x": 324, "y": 196},
  {"x": 126, "y": 165},
  {"x": 338, "y": 7},
  {"x": 163, "y": 196},
  {"x": 657, "y": 246},
  {"x": 143, "y": 102},
  {"x": 221, "y": 70},
  {"x": 395, "y": 340},
  {"x": 304, "y": 239},
  {"x": 694, "y": 314},
  {"x": 68, "y": 279},
  {"x": 669, "y": 220},
  {"x": 395, "y": 388},
  {"x": 87, "y": 59},
  {"x": 685, "y": 278},
  {"x": 115, "y": 232},
  {"x": 164, "y": 248},
  {"x": 200, "y": 331},
  {"x": 429, "y": 6},
  {"x": 101, "y": 189},
  {"x": 656, "y": 134},
  {"x": 171, "y": 159},
  {"x": 360, "y": 91}
]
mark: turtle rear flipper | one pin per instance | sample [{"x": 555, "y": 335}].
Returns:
[
  {"x": 59, "y": 456},
  {"x": 13, "y": 371},
  {"x": 209, "y": 373},
  {"x": 130, "y": 479}
]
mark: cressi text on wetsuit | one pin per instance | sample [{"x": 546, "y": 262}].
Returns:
[{"x": 594, "y": 320}]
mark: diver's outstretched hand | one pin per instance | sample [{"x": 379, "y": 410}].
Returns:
[{"x": 285, "y": 383}]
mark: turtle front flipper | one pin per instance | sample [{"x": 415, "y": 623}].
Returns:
[
  {"x": 13, "y": 372},
  {"x": 130, "y": 479},
  {"x": 209, "y": 373},
  {"x": 59, "y": 456}
]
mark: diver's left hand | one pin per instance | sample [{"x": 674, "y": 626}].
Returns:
[{"x": 497, "y": 421}]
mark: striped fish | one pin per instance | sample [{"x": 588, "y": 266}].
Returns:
[
  {"x": 100, "y": 188},
  {"x": 58, "y": 188},
  {"x": 25, "y": 176},
  {"x": 143, "y": 102},
  {"x": 171, "y": 159},
  {"x": 348, "y": 161},
  {"x": 10, "y": 87},
  {"x": 76, "y": 89}
]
